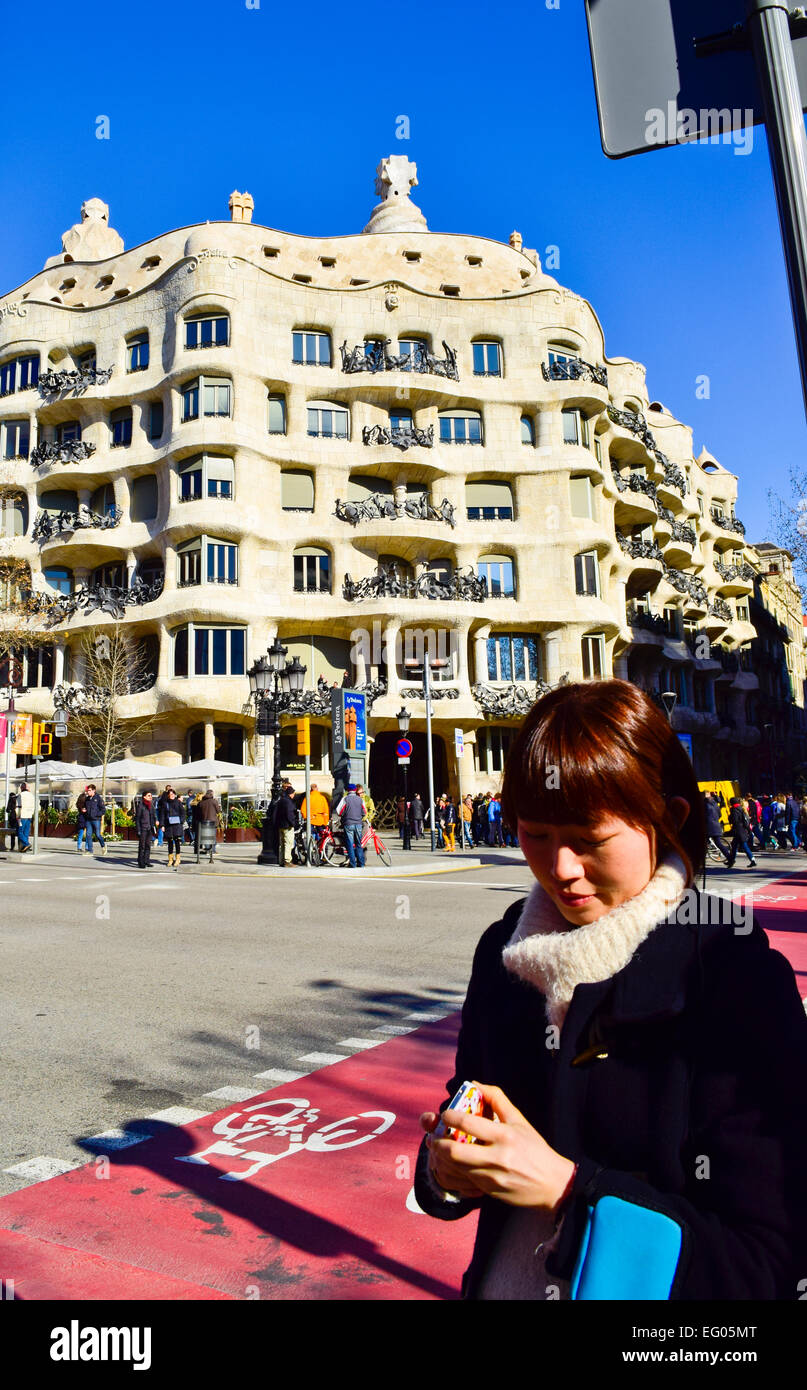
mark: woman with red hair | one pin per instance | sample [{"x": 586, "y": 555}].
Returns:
[{"x": 640, "y": 1050}]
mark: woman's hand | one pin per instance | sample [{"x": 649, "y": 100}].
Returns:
[{"x": 510, "y": 1160}]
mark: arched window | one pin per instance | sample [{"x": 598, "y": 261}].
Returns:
[
  {"x": 492, "y": 747},
  {"x": 102, "y": 501},
  {"x": 575, "y": 428},
  {"x": 276, "y": 414},
  {"x": 206, "y": 475},
  {"x": 513, "y": 656},
  {"x": 593, "y": 654},
  {"x": 311, "y": 348},
  {"x": 16, "y": 439},
  {"x": 327, "y": 420},
  {"x": 312, "y": 570},
  {"x": 487, "y": 358},
  {"x": 144, "y": 498},
  {"x": 120, "y": 424},
  {"x": 206, "y": 560},
  {"x": 110, "y": 576},
  {"x": 211, "y": 329},
  {"x": 212, "y": 394},
  {"x": 499, "y": 571},
  {"x": 527, "y": 430},
  {"x": 137, "y": 352},
  {"x": 296, "y": 491},
  {"x": 58, "y": 500}
]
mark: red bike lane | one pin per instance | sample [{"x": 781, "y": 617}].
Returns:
[{"x": 303, "y": 1192}]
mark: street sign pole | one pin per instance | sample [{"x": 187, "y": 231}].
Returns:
[
  {"x": 769, "y": 30},
  {"x": 37, "y": 761},
  {"x": 9, "y": 726},
  {"x": 429, "y": 759},
  {"x": 459, "y": 749}
]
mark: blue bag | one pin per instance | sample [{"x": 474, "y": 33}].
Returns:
[{"x": 628, "y": 1252}]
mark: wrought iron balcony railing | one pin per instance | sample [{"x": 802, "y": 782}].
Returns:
[
  {"x": 378, "y": 506},
  {"x": 682, "y": 532},
  {"x": 741, "y": 571},
  {"x": 636, "y": 482},
  {"x": 72, "y": 451},
  {"x": 373, "y": 357},
  {"x": 728, "y": 523},
  {"x": 574, "y": 369},
  {"x": 112, "y": 599},
  {"x": 631, "y": 420},
  {"x": 398, "y": 436},
  {"x": 387, "y": 583},
  {"x": 718, "y": 608},
  {"x": 650, "y": 622},
  {"x": 50, "y": 524},
  {"x": 673, "y": 476},
  {"x": 686, "y": 584},
  {"x": 511, "y": 701},
  {"x": 56, "y": 383},
  {"x": 640, "y": 549}
]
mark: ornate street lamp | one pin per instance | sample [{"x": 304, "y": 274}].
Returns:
[
  {"x": 273, "y": 682},
  {"x": 403, "y": 716},
  {"x": 669, "y": 699}
]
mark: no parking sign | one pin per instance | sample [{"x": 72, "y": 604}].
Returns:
[{"x": 403, "y": 749}]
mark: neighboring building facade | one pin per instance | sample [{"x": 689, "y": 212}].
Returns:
[{"x": 230, "y": 433}]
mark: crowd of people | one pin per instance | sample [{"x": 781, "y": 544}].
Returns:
[
  {"x": 776, "y": 823},
  {"x": 475, "y": 820}
]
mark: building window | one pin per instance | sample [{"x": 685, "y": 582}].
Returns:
[
  {"x": 207, "y": 330},
  {"x": 487, "y": 359},
  {"x": 513, "y": 656},
  {"x": 33, "y": 664},
  {"x": 16, "y": 439},
  {"x": 593, "y": 649},
  {"x": 276, "y": 418},
  {"x": 743, "y": 615},
  {"x": 581, "y": 498},
  {"x": 67, "y": 431},
  {"x": 527, "y": 430},
  {"x": 156, "y": 419},
  {"x": 575, "y": 428},
  {"x": 498, "y": 570},
  {"x": 311, "y": 349},
  {"x": 671, "y": 620},
  {"x": 463, "y": 428},
  {"x": 492, "y": 747},
  {"x": 489, "y": 501},
  {"x": 560, "y": 353},
  {"x": 111, "y": 576},
  {"x": 214, "y": 393},
  {"x": 13, "y": 515},
  {"x": 20, "y": 374},
  {"x": 413, "y": 348},
  {"x": 144, "y": 498},
  {"x": 102, "y": 501},
  {"x": 207, "y": 475},
  {"x": 296, "y": 491},
  {"x": 312, "y": 570},
  {"x": 137, "y": 353},
  {"x": 587, "y": 574},
  {"x": 121, "y": 425},
  {"x": 327, "y": 421},
  {"x": 210, "y": 651},
  {"x": 59, "y": 579},
  {"x": 207, "y": 560}
]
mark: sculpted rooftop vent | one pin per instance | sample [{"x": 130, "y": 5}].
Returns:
[
  {"x": 450, "y": 289},
  {"x": 104, "y": 281},
  {"x": 327, "y": 261},
  {"x": 150, "y": 262},
  {"x": 474, "y": 260},
  {"x": 412, "y": 255},
  {"x": 304, "y": 279},
  {"x": 271, "y": 251}
]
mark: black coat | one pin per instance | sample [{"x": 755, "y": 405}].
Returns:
[
  {"x": 173, "y": 808},
  {"x": 706, "y": 1041},
  {"x": 145, "y": 818},
  {"x": 286, "y": 813},
  {"x": 714, "y": 826}
]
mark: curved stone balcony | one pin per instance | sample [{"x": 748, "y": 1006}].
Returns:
[
  {"x": 382, "y": 508},
  {"x": 421, "y": 362},
  {"x": 636, "y": 503},
  {"x": 735, "y": 580},
  {"x": 727, "y": 528},
  {"x": 681, "y": 544},
  {"x": 397, "y": 437},
  {"x": 55, "y": 385},
  {"x": 687, "y": 720},
  {"x": 49, "y": 526},
  {"x": 49, "y": 454},
  {"x": 646, "y": 556}
]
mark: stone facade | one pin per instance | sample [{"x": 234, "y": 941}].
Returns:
[{"x": 451, "y": 451}]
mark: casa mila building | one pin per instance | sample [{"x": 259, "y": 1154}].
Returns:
[{"x": 374, "y": 447}]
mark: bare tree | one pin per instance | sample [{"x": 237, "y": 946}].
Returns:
[
  {"x": 17, "y": 629},
  {"x": 116, "y": 666},
  {"x": 790, "y": 524}
]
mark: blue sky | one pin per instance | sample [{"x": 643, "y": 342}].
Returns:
[{"x": 678, "y": 250}]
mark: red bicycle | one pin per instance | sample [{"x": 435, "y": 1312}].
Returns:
[{"x": 333, "y": 846}]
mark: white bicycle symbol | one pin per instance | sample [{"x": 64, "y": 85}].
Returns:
[{"x": 289, "y": 1122}]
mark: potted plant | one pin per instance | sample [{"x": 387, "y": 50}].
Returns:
[{"x": 241, "y": 825}]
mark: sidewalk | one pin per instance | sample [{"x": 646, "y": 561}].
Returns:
[{"x": 242, "y": 860}]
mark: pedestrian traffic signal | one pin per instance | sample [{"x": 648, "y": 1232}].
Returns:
[
  {"x": 303, "y": 738},
  {"x": 41, "y": 742}
]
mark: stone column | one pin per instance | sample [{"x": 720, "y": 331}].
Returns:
[
  {"x": 549, "y": 433},
  {"x": 58, "y": 662},
  {"x": 130, "y": 565},
  {"x": 210, "y": 739},
  {"x": 552, "y": 658},
  {"x": 480, "y": 640},
  {"x": 391, "y": 630},
  {"x": 170, "y": 568}
]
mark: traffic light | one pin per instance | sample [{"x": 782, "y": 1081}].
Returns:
[
  {"x": 303, "y": 738},
  {"x": 41, "y": 741},
  {"x": 45, "y": 744}
]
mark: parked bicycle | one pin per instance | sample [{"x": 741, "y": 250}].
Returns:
[
  {"x": 333, "y": 846},
  {"x": 306, "y": 851}
]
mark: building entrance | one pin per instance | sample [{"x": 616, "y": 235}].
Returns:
[{"x": 386, "y": 777}]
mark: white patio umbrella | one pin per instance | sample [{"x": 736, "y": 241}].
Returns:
[{"x": 212, "y": 768}]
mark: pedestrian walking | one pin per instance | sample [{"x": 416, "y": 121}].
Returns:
[
  {"x": 82, "y": 827},
  {"x": 352, "y": 811},
  {"x": 714, "y": 826},
  {"x": 25, "y": 814},
  {"x": 792, "y": 818},
  {"x": 754, "y": 811},
  {"x": 467, "y": 812},
  {"x": 803, "y": 823},
  {"x": 94, "y": 810},
  {"x": 449, "y": 824},
  {"x": 416, "y": 815},
  {"x": 12, "y": 821},
  {"x": 145, "y": 824},
  {"x": 740, "y": 831},
  {"x": 495, "y": 821},
  {"x": 675, "y": 1037},
  {"x": 369, "y": 804},
  {"x": 172, "y": 818},
  {"x": 400, "y": 816},
  {"x": 479, "y": 822},
  {"x": 188, "y": 828},
  {"x": 780, "y": 821}
]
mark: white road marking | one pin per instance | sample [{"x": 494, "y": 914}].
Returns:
[
  {"x": 322, "y": 1059},
  {"x": 412, "y": 1203},
  {"x": 393, "y": 1030},
  {"x": 149, "y": 885},
  {"x": 426, "y": 1018},
  {"x": 279, "y": 1076},
  {"x": 232, "y": 1093},
  {"x": 25, "y": 879},
  {"x": 360, "y": 1043},
  {"x": 40, "y": 1169},
  {"x": 178, "y": 1115}
]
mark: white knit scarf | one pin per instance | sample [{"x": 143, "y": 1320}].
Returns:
[{"x": 555, "y": 957}]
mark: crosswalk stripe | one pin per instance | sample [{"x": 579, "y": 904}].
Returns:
[
  {"x": 40, "y": 1169},
  {"x": 322, "y": 1059},
  {"x": 360, "y": 1043},
  {"x": 232, "y": 1093},
  {"x": 279, "y": 1076}
]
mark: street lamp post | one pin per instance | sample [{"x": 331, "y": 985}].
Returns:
[
  {"x": 403, "y": 716},
  {"x": 669, "y": 699},
  {"x": 272, "y": 682}
]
